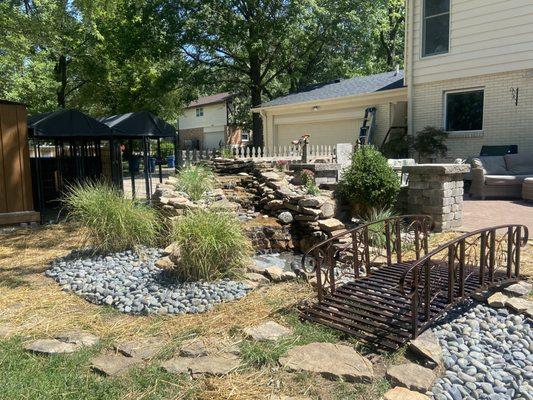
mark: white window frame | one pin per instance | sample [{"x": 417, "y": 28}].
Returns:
[
  {"x": 199, "y": 112},
  {"x": 445, "y": 122},
  {"x": 243, "y": 135},
  {"x": 423, "y": 31}
]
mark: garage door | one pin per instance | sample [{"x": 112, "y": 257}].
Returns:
[
  {"x": 213, "y": 140},
  {"x": 322, "y": 133}
]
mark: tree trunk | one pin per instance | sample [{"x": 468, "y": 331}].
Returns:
[
  {"x": 256, "y": 94},
  {"x": 61, "y": 77}
]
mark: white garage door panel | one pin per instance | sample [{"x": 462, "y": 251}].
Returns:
[
  {"x": 322, "y": 133},
  {"x": 213, "y": 140}
]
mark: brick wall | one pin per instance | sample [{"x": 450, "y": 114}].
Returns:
[
  {"x": 504, "y": 122},
  {"x": 191, "y": 134}
]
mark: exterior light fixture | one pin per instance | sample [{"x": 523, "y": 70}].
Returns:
[{"x": 315, "y": 108}]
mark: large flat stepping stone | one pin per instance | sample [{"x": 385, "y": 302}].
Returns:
[
  {"x": 206, "y": 365},
  {"x": 427, "y": 346},
  {"x": 519, "y": 289},
  {"x": 208, "y": 346},
  {"x": 400, "y": 393},
  {"x": 269, "y": 331},
  {"x": 411, "y": 376},
  {"x": 51, "y": 346},
  {"x": 113, "y": 365},
  {"x": 332, "y": 361},
  {"x": 521, "y": 306},
  {"x": 79, "y": 338},
  {"x": 195, "y": 348},
  {"x": 497, "y": 300},
  {"x": 141, "y": 348}
]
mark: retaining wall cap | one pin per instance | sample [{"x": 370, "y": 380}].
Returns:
[
  {"x": 439, "y": 169},
  {"x": 316, "y": 167}
]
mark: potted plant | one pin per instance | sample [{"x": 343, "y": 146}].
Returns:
[{"x": 429, "y": 143}]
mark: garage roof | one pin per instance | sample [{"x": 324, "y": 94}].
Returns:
[{"x": 342, "y": 88}]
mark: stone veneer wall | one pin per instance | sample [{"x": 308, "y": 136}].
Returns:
[{"x": 437, "y": 190}]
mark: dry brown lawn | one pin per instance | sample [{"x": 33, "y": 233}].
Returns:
[{"x": 36, "y": 307}]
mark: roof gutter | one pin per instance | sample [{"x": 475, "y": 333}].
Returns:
[{"x": 360, "y": 96}]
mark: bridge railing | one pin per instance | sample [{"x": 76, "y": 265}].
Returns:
[
  {"x": 483, "y": 256},
  {"x": 356, "y": 252}
]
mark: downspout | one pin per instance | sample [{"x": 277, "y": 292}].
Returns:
[{"x": 410, "y": 55}]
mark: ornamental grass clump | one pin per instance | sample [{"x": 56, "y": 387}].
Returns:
[
  {"x": 195, "y": 181},
  {"x": 113, "y": 222},
  {"x": 369, "y": 182},
  {"x": 212, "y": 245},
  {"x": 376, "y": 231}
]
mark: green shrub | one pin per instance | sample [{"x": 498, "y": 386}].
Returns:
[
  {"x": 167, "y": 149},
  {"x": 430, "y": 142},
  {"x": 196, "y": 181},
  {"x": 212, "y": 246},
  {"x": 369, "y": 182},
  {"x": 113, "y": 222},
  {"x": 308, "y": 181},
  {"x": 226, "y": 152}
]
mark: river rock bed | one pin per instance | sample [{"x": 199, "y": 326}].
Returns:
[
  {"x": 488, "y": 354},
  {"x": 131, "y": 283}
]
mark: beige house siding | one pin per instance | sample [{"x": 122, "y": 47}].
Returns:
[
  {"x": 504, "y": 122},
  {"x": 332, "y": 121},
  {"x": 486, "y": 37},
  {"x": 214, "y": 118}
]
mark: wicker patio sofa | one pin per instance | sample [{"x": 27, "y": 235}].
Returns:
[{"x": 500, "y": 176}]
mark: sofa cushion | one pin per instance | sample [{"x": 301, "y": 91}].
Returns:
[
  {"x": 497, "y": 180},
  {"x": 492, "y": 165},
  {"x": 519, "y": 164}
]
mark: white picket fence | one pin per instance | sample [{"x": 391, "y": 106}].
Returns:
[{"x": 287, "y": 153}]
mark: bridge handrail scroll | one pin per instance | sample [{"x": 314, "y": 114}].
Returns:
[
  {"x": 490, "y": 254},
  {"x": 395, "y": 239}
]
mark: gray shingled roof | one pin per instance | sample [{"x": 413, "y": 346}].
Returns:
[{"x": 342, "y": 88}]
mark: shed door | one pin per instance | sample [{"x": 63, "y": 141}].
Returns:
[{"x": 322, "y": 133}]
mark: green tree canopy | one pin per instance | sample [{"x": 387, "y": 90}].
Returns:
[{"x": 114, "y": 56}]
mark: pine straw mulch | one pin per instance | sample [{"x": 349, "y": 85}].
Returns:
[{"x": 35, "y": 306}]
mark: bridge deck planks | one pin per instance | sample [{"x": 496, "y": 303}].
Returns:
[{"x": 373, "y": 310}]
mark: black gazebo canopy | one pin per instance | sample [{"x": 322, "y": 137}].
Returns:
[
  {"x": 65, "y": 124},
  {"x": 139, "y": 124}
]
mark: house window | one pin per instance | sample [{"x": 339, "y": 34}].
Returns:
[
  {"x": 245, "y": 136},
  {"x": 436, "y": 27},
  {"x": 200, "y": 112},
  {"x": 464, "y": 110}
]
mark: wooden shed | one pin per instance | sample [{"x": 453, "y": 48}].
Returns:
[{"x": 16, "y": 197}]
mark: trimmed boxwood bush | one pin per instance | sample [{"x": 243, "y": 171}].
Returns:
[
  {"x": 113, "y": 222},
  {"x": 369, "y": 182},
  {"x": 212, "y": 246}
]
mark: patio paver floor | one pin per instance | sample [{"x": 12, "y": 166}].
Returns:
[{"x": 484, "y": 213}]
